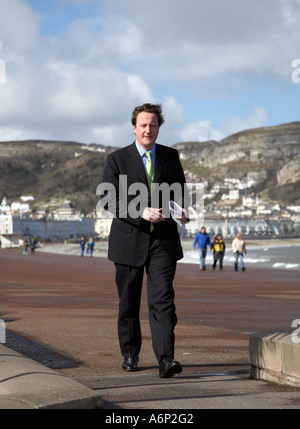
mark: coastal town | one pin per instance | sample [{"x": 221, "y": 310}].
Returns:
[
  {"x": 247, "y": 182},
  {"x": 226, "y": 208}
]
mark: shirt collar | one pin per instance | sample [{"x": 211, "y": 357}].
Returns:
[{"x": 142, "y": 151}]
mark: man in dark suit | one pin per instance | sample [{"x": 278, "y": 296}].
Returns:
[{"x": 145, "y": 238}]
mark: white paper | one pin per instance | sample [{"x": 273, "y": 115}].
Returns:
[{"x": 175, "y": 211}]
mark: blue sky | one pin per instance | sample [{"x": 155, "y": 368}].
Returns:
[
  {"x": 57, "y": 15},
  {"x": 75, "y": 69}
]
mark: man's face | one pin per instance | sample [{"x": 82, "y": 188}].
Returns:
[{"x": 146, "y": 129}]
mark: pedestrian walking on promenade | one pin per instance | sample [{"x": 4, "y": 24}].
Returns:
[
  {"x": 148, "y": 240},
  {"x": 25, "y": 247},
  {"x": 82, "y": 245},
  {"x": 201, "y": 241},
  {"x": 32, "y": 245},
  {"x": 218, "y": 246},
  {"x": 239, "y": 250},
  {"x": 90, "y": 247}
]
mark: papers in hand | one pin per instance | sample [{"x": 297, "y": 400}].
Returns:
[{"x": 176, "y": 211}]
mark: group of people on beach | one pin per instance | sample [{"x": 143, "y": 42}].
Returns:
[
  {"x": 90, "y": 246},
  {"x": 202, "y": 242}
]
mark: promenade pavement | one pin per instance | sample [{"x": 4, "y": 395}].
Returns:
[{"x": 61, "y": 348}]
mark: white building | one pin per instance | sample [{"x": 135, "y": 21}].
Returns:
[
  {"x": 26, "y": 198},
  {"x": 294, "y": 208},
  {"x": 4, "y": 207},
  {"x": 20, "y": 207},
  {"x": 65, "y": 212},
  {"x": 103, "y": 223},
  {"x": 102, "y": 227},
  {"x": 234, "y": 194},
  {"x": 262, "y": 210},
  {"x": 10, "y": 224},
  {"x": 6, "y": 224}
]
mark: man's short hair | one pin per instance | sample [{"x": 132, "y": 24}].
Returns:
[{"x": 149, "y": 108}]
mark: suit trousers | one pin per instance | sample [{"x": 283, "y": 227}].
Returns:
[{"x": 160, "y": 270}]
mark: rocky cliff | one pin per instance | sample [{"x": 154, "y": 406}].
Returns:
[{"x": 272, "y": 150}]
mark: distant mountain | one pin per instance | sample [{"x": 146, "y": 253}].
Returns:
[
  {"x": 53, "y": 171},
  {"x": 272, "y": 153}
]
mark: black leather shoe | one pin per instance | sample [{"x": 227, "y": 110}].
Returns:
[
  {"x": 130, "y": 364},
  {"x": 168, "y": 367}
]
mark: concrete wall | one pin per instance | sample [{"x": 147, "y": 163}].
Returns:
[
  {"x": 275, "y": 356},
  {"x": 10, "y": 240}
]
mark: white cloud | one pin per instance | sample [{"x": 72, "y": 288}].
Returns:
[
  {"x": 174, "y": 119},
  {"x": 16, "y": 133},
  {"x": 200, "y": 40},
  {"x": 64, "y": 88},
  {"x": 83, "y": 84},
  {"x": 112, "y": 135},
  {"x": 201, "y": 131},
  {"x": 138, "y": 90},
  {"x": 258, "y": 119},
  {"x": 19, "y": 26},
  {"x": 204, "y": 130}
]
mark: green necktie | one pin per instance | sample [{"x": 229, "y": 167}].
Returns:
[
  {"x": 150, "y": 176},
  {"x": 149, "y": 169}
]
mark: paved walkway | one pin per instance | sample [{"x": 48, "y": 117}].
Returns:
[{"x": 60, "y": 312}]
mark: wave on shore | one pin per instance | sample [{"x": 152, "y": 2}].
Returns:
[
  {"x": 280, "y": 255},
  {"x": 275, "y": 256}
]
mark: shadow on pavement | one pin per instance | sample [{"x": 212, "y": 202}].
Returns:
[{"x": 38, "y": 352}]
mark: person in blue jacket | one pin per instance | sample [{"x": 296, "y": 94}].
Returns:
[
  {"x": 203, "y": 240},
  {"x": 82, "y": 245},
  {"x": 90, "y": 247}
]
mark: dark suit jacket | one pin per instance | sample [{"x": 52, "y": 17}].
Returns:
[{"x": 129, "y": 236}]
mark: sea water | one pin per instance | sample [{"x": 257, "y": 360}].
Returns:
[{"x": 275, "y": 256}]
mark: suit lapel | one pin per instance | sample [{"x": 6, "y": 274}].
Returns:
[
  {"x": 159, "y": 163},
  {"x": 136, "y": 163}
]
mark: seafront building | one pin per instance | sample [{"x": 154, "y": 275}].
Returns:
[
  {"x": 13, "y": 229},
  {"x": 252, "y": 217}
]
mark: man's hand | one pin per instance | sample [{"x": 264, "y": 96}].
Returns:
[
  {"x": 183, "y": 218},
  {"x": 153, "y": 215}
]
